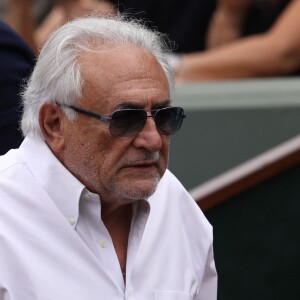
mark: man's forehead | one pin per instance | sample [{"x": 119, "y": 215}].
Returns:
[
  {"x": 121, "y": 74},
  {"x": 113, "y": 50},
  {"x": 124, "y": 56}
]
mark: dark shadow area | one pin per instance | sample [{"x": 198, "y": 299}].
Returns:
[{"x": 256, "y": 241}]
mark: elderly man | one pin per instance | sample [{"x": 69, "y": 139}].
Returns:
[{"x": 87, "y": 207}]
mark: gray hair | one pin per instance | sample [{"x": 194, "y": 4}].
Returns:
[{"x": 56, "y": 77}]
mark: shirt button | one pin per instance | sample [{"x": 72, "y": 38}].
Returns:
[
  {"x": 102, "y": 244},
  {"x": 72, "y": 221}
]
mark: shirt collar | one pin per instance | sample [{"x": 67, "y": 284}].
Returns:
[{"x": 64, "y": 189}]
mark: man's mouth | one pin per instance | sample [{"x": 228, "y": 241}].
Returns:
[{"x": 141, "y": 165}]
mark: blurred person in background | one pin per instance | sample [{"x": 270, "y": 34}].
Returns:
[
  {"x": 16, "y": 62},
  {"x": 234, "y": 19},
  {"x": 184, "y": 23},
  {"x": 271, "y": 49},
  {"x": 20, "y": 16},
  {"x": 242, "y": 38},
  {"x": 66, "y": 10}
]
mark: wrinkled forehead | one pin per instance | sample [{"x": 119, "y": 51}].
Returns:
[
  {"x": 124, "y": 67},
  {"x": 127, "y": 72},
  {"x": 106, "y": 53}
]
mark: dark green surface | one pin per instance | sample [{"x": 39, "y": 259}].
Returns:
[
  {"x": 230, "y": 122},
  {"x": 257, "y": 241},
  {"x": 212, "y": 141}
]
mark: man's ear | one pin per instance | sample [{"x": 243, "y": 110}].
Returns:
[{"x": 51, "y": 121}]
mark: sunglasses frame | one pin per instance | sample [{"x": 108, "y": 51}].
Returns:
[{"x": 110, "y": 119}]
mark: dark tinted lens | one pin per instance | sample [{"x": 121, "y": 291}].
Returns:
[
  {"x": 168, "y": 120},
  {"x": 127, "y": 122}
]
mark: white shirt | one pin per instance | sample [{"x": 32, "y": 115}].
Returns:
[{"x": 54, "y": 245}]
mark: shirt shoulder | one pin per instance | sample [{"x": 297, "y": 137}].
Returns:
[
  {"x": 15, "y": 177},
  {"x": 10, "y": 161},
  {"x": 171, "y": 196},
  {"x": 176, "y": 219}
]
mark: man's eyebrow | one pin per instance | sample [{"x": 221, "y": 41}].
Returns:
[
  {"x": 135, "y": 105},
  {"x": 129, "y": 104},
  {"x": 163, "y": 104}
]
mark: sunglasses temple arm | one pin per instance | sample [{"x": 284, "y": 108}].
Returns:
[{"x": 91, "y": 114}]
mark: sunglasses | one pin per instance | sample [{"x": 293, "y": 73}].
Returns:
[{"x": 129, "y": 122}]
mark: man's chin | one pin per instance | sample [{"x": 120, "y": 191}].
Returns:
[{"x": 140, "y": 189}]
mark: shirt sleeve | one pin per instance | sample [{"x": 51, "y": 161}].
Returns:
[{"x": 208, "y": 289}]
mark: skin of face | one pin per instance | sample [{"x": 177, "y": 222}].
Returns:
[{"x": 119, "y": 169}]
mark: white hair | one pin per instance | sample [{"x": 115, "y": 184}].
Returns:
[{"x": 56, "y": 77}]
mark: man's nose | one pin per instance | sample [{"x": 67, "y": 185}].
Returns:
[{"x": 149, "y": 138}]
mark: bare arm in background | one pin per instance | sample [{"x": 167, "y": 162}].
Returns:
[
  {"x": 274, "y": 53},
  {"x": 227, "y": 22}
]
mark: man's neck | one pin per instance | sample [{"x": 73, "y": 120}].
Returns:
[{"x": 118, "y": 224}]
